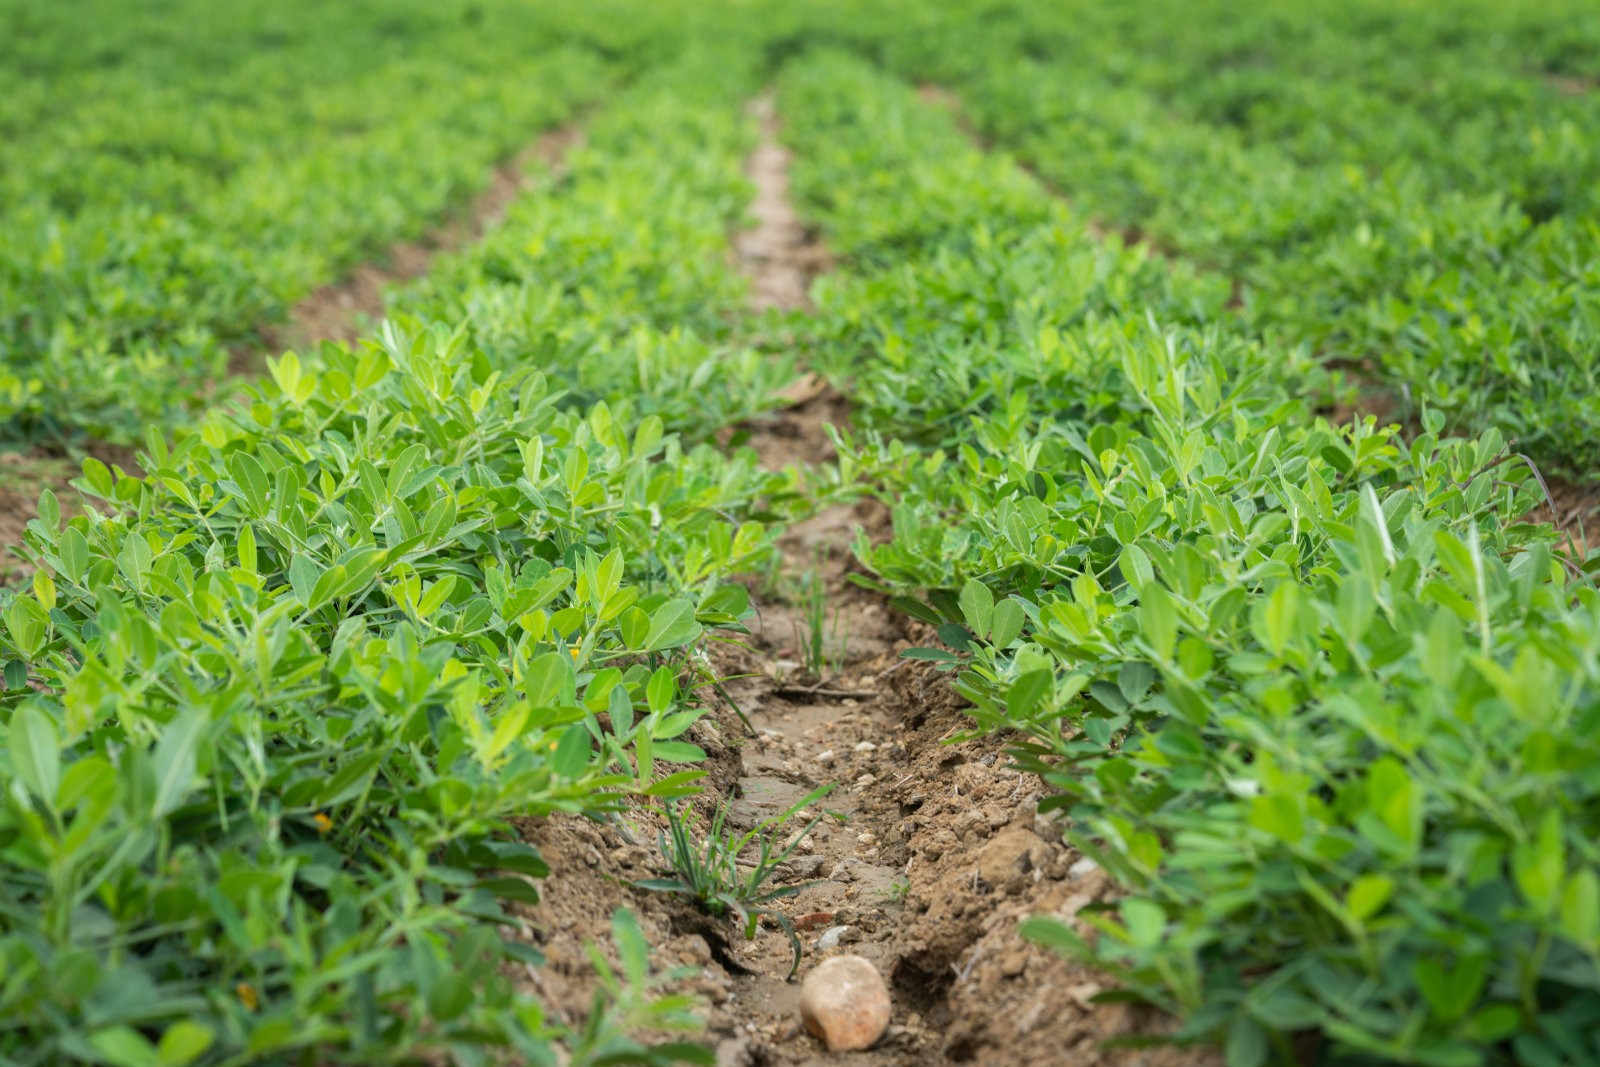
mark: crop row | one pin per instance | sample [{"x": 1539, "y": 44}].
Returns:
[
  {"x": 1408, "y": 196},
  {"x": 165, "y": 191},
  {"x": 1311, "y": 692},
  {"x": 271, "y": 706}
]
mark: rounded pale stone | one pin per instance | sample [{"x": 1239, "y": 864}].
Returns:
[{"x": 845, "y": 1003}]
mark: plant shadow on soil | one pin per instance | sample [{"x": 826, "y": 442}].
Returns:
[{"x": 936, "y": 851}]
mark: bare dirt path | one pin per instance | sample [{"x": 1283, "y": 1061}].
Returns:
[
  {"x": 933, "y": 850},
  {"x": 939, "y": 852},
  {"x": 337, "y": 311}
]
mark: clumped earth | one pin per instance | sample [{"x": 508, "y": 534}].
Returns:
[{"x": 932, "y": 851}]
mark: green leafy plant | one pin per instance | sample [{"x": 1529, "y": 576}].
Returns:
[
  {"x": 1306, "y": 690},
  {"x": 817, "y": 633},
  {"x": 629, "y": 1003},
  {"x": 720, "y": 882},
  {"x": 269, "y": 710}
]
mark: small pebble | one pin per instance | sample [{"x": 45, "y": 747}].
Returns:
[
  {"x": 866, "y": 746},
  {"x": 1085, "y": 866},
  {"x": 865, "y": 780},
  {"x": 825, "y": 756},
  {"x": 833, "y": 936},
  {"x": 867, "y": 837},
  {"x": 1082, "y": 993},
  {"x": 802, "y": 866},
  {"x": 844, "y": 1002}
]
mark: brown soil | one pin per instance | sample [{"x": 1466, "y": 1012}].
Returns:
[
  {"x": 932, "y": 851},
  {"x": 1574, "y": 510},
  {"x": 1571, "y": 85},
  {"x": 780, "y": 254},
  {"x": 336, "y": 312}
]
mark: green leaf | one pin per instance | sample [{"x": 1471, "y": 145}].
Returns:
[
  {"x": 1246, "y": 1044},
  {"x": 1280, "y": 814},
  {"x": 1280, "y": 616},
  {"x": 1580, "y": 909},
  {"x": 662, "y": 691},
  {"x": 350, "y": 779},
  {"x": 174, "y": 761},
  {"x": 35, "y": 753},
  {"x": 28, "y": 625},
  {"x": 573, "y": 752},
  {"x": 1054, "y": 935},
  {"x": 916, "y": 609},
  {"x": 546, "y": 679},
  {"x": 1367, "y": 894},
  {"x": 1134, "y": 563},
  {"x": 44, "y": 589},
  {"x": 252, "y": 482},
  {"x": 507, "y": 729},
  {"x": 73, "y": 552},
  {"x": 632, "y": 949},
  {"x": 1538, "y": 865},
  {"x": 955, "y": 635},
  {"x": 1025, "y": 693},
  {"x": 1392, "y": 796},
  {"x": 434, "y": 598},
  {"x": 247, "y": 548},
  {"x": 1451, "y": 991},
  {"x": 122, "y": 1046},
  {"x": 977, "y": 606},
  {"x": 634, "y": 626},
  {"x": 671, "y": 625},
  {"x": 678, "y": 752},
  {"x": 1158, "y": 619},
  {"x": 679, "y": 784},
  {"x": 1009, "y": 619},
  {"x": 183, "y": 1043},
  {"x": 1145, "y": 920}
]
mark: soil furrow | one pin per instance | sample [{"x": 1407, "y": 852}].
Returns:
[{"x": 935, "y": 850}]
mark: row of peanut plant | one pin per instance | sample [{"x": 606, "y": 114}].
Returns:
[
  {"x": 1312, "y": 693},
  {"x": 174, "y": 178},
  {"x": 1409, "y": 194},
  {"x": 268, "y": 709}
]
